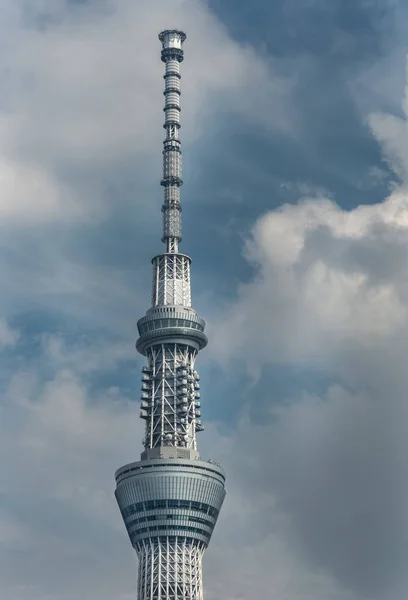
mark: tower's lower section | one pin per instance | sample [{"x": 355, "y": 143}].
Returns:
[
  {"x": 170, "y": 507},
  {"x": 170, "y": 568}
]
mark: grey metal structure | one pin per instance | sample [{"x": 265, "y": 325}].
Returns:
[{"x": 170, "y": 499}]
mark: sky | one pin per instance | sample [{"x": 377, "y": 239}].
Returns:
[{"x": 295, "y": 141}]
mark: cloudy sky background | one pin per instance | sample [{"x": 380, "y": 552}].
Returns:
[{"x": 295, "y": 141}]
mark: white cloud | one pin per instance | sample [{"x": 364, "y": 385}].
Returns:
[
  {"x": 391, "y": 130},
  {"x": 81, "y": 132},
  {"x": 324, "y": 276},
  {"x": 77, "y": 357},
  {"x": 82, "y": 93},
  {"x": 329, "y": 294},
  {"x": 63, "y": 444},
  {"x": 29, "y": 193},
  {"x": 318, "y": 492},
  {"x": 8, "y": 336}
]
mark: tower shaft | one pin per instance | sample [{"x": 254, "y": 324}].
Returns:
[{"x": 170, "y": 499}]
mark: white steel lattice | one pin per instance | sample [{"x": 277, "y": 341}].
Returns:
[
  {"x": 170, "y": 569},
  {"x": 171, "y": 406},
  {"x": 171, "y": 280},
  {"x": 172, "y": 194},
  {"x": 172, "y": 163},
  {"x": 172, "y": 154}
]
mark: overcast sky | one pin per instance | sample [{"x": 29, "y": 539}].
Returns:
[{"x": 295, "y": 142}]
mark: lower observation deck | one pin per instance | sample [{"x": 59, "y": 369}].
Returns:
[{"x": 170, "y": 498}]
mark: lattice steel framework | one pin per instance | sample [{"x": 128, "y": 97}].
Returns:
[
  {"x": 170, "y": 569},
  {"x": 170, "y": 499},
  {"x": 172, "y": 55},
  {"x": 170, "y": 393},
  {"x": 171, "y": 280}
]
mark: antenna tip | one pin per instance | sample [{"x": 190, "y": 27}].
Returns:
[{"x": 172, "y": 38}]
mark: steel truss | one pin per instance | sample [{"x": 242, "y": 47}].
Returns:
[
  {"x": 171, "y": 280},
  {"x": 170, "y": 392},
  {"x": 172, "y": 151},
  {"x": 170, "y": 569}
]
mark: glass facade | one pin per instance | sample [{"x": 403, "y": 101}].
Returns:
[{"x": 180, "y": 498}]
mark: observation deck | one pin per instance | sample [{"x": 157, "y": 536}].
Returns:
[{"x": 170, "y": 497}]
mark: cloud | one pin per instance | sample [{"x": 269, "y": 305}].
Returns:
[
  {"x": 328, "y": 294},
  {"x": 80, "y": 137},
  {"x": 63, "y": 443},
  {"x": 324, "y": 276},
  {"x": 316, "y": 491},
  {"x": 29, "y": 193},
  {"x": 82, "y": 92},
  {"x": 8, "y": 336},
  {"x": 391, "y": 130},
  {"x": 325, "y": 478}
]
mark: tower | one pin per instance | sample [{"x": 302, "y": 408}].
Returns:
[{"x": 170, "y": 499}]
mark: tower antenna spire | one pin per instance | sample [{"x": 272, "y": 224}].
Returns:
[
  {"x": 171, "y": 498},
  {"x": 172, "y": 55}
]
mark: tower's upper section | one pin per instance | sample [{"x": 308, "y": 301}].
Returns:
[
  {"x": 171, "y": 333},
  {"x": 172, "y": 38},
  {"x": 171, "y": 316},
  {"x": 172, "y": 55},
  {"x": 170, "y": 499}
]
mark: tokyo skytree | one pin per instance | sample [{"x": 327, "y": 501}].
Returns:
[{"x": 170, "y": 499}]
